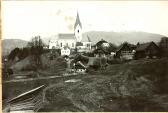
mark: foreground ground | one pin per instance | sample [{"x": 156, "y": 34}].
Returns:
[{"x": 134, "y": 86}]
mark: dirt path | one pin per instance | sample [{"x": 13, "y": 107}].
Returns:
[{"x": 39, "y": 78}]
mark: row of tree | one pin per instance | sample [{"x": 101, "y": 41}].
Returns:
[{"x": 33, "y": 48}]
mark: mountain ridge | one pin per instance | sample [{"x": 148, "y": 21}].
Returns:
[
  {"x": 9, "y": 44},
  {"x": 117, "y": 37},
  {"x": 95, "y": 36}
]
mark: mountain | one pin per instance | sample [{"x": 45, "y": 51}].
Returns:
[
  {"x": 116, "y": 37},
  {"x": 95, "y": 36},
  {"x": 9, "y": 44},
  {"x": 120, "y": 37}
]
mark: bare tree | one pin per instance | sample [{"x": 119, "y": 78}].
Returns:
[{"x": 36, "y": 49}]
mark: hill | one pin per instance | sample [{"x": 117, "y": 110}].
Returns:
[
  {"x": 134, "y": 86},
  {"x": 57, "y": 65},
  {"x": 119, "y": 37},
  {"x": 10, "y": 44},
  {"x": 116, "y": 37}
]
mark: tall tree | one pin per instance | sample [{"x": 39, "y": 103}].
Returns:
[{"x": 36, "y": 49}]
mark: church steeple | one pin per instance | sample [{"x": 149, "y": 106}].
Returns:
[
  {"x": 78, "y": 29},
  {"x": 77, "y": 22}
]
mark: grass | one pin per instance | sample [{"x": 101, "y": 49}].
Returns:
[
  {"x": 122, "y": 87},
  {"x": 138, "y": 85}
]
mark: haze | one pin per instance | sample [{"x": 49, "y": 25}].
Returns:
[{"x": 25, "y": 19}]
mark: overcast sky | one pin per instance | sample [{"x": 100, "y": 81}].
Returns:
[{"x": 25, "y": 19}]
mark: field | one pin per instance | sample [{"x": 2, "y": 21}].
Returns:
[{"x": 138, "y": 85}]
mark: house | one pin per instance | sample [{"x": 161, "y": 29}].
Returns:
[
  {"x": 101, "y": 48},
  {"x": 80, "y": 67},
  {"x": 100, "y": 52},
  {"x": 102, "y": 43},
  {"x": 147, "y": 50},
  {"x": 126, "y": 51},
  {"x": 85, "y": 45},
  {"x": 65, "y": 51}
]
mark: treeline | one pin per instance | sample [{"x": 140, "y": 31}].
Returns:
[{"x": 34, "y": 48}]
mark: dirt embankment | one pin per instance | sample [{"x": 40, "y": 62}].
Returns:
[
  {"x": 133, "y": 86},
  {"x": 47, "y": 67}
]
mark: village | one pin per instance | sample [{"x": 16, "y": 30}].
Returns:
[
  {"x": 127, "y": 71},
  {"x": 74, "y": 48}
]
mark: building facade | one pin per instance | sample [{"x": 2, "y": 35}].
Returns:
[
  {"x": 147, "y": 50},
  {"x": 73, "y": 41},
  {"x": 126, "y": 51}
]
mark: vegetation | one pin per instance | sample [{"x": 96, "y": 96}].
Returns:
[
  {"x": 134, "y": 86},
  {"x": 163, "y": 44}
]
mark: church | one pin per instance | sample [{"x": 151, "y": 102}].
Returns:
[{"x": 72, "y": 41}]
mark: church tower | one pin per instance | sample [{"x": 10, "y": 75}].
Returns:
[{"x": 78, "y": 29}]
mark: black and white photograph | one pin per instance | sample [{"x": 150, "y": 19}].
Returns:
[{"x": 84, "y": 56}]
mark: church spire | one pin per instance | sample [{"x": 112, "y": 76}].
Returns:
[{"x": 77, "y": 21}]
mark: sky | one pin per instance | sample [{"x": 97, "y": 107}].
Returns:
[{"x": 26, "y": 19}]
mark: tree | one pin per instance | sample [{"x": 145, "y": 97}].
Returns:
[
  {"x": 13, "y": 53},
  {"x": 112, "y": 47},
  {"x": 163, "y": 44},
  {"x": 36, "y": 49}
]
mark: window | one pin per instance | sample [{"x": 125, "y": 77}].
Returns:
[
  {"x": 66, "y": 44},
  {"x": 61, "y": 44},
  {"x": 72, "y": 44},
  {"x": 78, "y": 30}
]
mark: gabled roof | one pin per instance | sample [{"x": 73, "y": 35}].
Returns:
[
  {"x": 77, "y": 21},
  {"x": 144, "y": 46},
  {"x": 98, "y": 44},
  {"x": 80, "y": 65},
  {"x": 131, "y": 46},
  {"x": 66, "y": 36}
]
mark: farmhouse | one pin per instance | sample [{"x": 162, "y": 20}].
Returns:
[
  {"x": 147, "y": 50},
  {"x": 126, "y": 51},
  {"x": 65, "y": 51},
  {"x": 101, "y": 48}
]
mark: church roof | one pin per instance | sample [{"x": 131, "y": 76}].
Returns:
[
  {"x": 77, "y": 21},
  {"x": 85, "y": 38},
  {"x": 66, "y": 36}
]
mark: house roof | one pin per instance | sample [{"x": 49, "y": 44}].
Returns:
[
  {"x": 131, "y": 46},
  {"x": 77, "y": 22},
  {"x": 98, "y": 44},
  {"x": 144, "y": 46},
  {"x": 22, "y": 96},
  {"x": 66, "y": 36},
  {"x": 80, "y": 65}
]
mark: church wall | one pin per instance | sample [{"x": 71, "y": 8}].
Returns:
[{"x": 67, "y": 42}]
